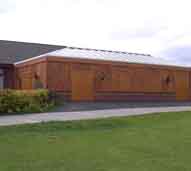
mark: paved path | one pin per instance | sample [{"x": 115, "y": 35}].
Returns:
[
  {"x": 68, "y": 116},
  {"x": 87, "y": 106}
]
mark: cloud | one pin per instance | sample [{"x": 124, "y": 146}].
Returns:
[
  {"x": 145, "y": 31},
  {"x": 6, "y": 6},
  {"x": 139, "y": 26},
  {"x": 181, "y": 54}
]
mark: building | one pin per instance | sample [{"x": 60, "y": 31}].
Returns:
[
  {"x": 11, "y": 52},
  {"x": 80, "y": 74}
]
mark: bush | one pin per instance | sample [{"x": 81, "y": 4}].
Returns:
[{"x": 18, "y": 101}]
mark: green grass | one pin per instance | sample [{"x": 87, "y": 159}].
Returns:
[{"x": 159, "y": 142}]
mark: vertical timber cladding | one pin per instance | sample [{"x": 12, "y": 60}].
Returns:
[
  {"x": 132, "y": 79},
  {"x": 59, "y": 79},
  {"x": 103, "y": 78},
  {"x": 134, "y": 82},
  {"x": 25, "y": 75},
  {"x": 82, "y": 79},
  {"x": 88, "y": 81},
  {"x": 121, "y": 79},
  {"x": 59, "y": 76},
  {"x": 182, "y": 85}
]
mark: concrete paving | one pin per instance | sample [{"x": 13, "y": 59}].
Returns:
[
  {"x": 80, "y": 115},
  {"x": 89, "y": 106}
]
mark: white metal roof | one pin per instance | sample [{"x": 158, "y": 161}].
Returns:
[
  {"x": 94, "y": 54},
  {"x": 112, "y": 56}
]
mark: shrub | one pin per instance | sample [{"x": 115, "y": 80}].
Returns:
[{"x": 18, "y": 101}]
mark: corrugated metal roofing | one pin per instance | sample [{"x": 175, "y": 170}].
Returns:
[{"x": 106, "y": 55}]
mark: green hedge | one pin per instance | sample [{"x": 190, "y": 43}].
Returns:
[{"x": 20, "y": 101}]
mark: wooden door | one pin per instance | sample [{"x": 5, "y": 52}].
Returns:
[
  {"x": 82, "y": 85},
  {"x": 182, "y": 85}
]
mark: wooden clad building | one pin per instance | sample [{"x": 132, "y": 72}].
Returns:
[
  {"x": 11, "y": 52},
  {"x": 98, "y": 75}
]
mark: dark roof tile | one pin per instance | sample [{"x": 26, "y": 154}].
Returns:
[{"x": 12, "y": 51}]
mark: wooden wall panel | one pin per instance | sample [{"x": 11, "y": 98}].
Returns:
[
  {"x": 152, "y": 82},
  {"x": 103, "y": 78},
  {"x": 136, "y": 79},
  {"x": 59, "y": 76},
  {"x": 25, "y": 75},
  {"x": 127, "y": 79},
  {"x": 41, "y": 70},
  {"x": 182, "y": 85},
  {"x": 82, "y": 78},
  {"x": 122, "y": 79},
  {"x": 26, "y": 83},
  {"x": 167, "y": 78},
  {"x": 141, "y": 81}
]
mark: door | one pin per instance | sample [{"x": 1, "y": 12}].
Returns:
[
  {"x": 182, "y": 85},
  {"x": 82, "y": 85}
]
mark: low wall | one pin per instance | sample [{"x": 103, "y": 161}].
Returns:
[{"x": 111, "y": 96}]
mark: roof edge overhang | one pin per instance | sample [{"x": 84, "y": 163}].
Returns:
[
  {"x": 110, "y": 62},
  {"x": 34, "y": 58},
  {"x": 30, "y": 60}
]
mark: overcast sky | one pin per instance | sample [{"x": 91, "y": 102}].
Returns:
[{"x": 159, "y": 27}]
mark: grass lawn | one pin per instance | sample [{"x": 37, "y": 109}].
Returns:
[{"x": 159, "y": 142}]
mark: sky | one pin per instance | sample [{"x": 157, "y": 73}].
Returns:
[{"x": 161, "y": 28}]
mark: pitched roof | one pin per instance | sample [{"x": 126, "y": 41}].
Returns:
[
  {"x": 12, "y": 51},
  {"x": 95, "y": 54}
]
